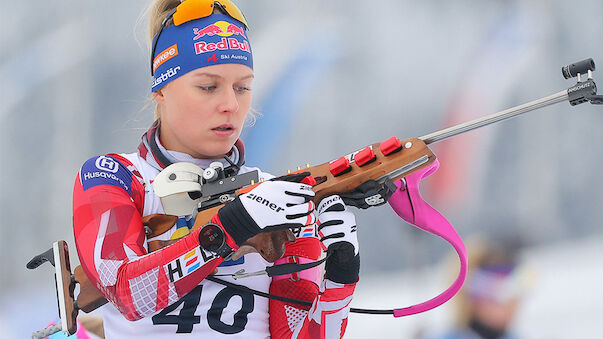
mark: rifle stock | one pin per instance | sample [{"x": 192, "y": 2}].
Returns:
[
  {"x": 65, "y": 287},
  {"x": 394, "y": 166},
  {"x": 90, "y": 298}
]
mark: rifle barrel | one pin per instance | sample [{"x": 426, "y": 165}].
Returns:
[{"x": 492, "y": 118}]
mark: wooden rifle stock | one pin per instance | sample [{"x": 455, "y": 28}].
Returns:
[
  {"x": 65, "y": 286},
  {"x": 393, "y": 166}
]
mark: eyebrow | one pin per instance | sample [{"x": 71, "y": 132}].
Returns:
[{"x": 212, "y": 75}]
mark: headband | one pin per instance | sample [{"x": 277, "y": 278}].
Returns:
[{"x": 213, "y": 40}]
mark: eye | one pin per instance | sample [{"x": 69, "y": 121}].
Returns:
[
  {"x": 208, "y": 88},
  {"x": 242, "y": 89}
]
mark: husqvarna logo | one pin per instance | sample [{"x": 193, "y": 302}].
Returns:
[{"x": 107, "y": 164}]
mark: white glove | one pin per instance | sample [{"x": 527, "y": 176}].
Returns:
[
  {"x": 271, "y": 206},
  {"x": 337, "y": 230},
  {"x": 336, "y": 223}
]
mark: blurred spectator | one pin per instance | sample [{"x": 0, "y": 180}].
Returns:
[
  {"x": 495, "y": 286},
  {"x": 88, "y": 327}
]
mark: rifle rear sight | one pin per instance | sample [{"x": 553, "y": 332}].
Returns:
[{"x": 583, "y": 91}]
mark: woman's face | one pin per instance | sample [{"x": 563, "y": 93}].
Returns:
[{"x": 203, "y": 111}]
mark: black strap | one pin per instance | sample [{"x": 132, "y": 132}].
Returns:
[
  {"x": 288, "y": 268},
  {"x": 282, "y": 269},
  {"x": 256, "y": 292},
  {"x": 159, "y": 156},
  {"x": 288, "y": 300}
]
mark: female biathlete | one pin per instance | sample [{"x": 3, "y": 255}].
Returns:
[{"x": 202, "y": 73}]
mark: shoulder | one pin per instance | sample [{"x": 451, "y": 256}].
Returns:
[{"x": 110, "y": 169}]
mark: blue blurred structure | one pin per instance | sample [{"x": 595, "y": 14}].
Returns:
[{"x": 281, "y": 105}]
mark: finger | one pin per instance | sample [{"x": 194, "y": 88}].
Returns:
[
  {"x": 296, "y": 189},
  {"x": 347, "y": 217},
  {"x": 304, "y": 196},
  {"x": 295, "y": 177},
  {"x": 286, "y": 192},
  {"x": 292, "y": 187},
  {"x": 329, "y": 223},
  {"x": 304, "y": 220},
  {"x": 332, "y": 203},
  {"x": 283, "y": 226},
  {"x": 301, "y": 210},
  {"x": 333, "y": 236}
]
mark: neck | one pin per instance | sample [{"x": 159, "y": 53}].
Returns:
[
  {"x": 166, "y": 143},
  {"x": 201, "y": 161},
  {"x": 161, "y": 157}
]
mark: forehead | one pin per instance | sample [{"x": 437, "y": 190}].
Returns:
[{"x": 224, "y": 71}]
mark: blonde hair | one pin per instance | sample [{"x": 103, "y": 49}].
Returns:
[{"x": 157, "y": 11}]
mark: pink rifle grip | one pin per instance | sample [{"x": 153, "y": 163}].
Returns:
[{"x": 411, "y": 207}]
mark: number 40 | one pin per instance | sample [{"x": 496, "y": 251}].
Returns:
[{"x": 187, "y": 318}]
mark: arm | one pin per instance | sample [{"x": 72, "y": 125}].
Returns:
[
  {"x": 327, "y": 317},
  {"x": 107, "y": 219},
  {"x": 107, "y": 207}
]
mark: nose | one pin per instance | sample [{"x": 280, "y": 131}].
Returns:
[{"x": 229, "y": 103}]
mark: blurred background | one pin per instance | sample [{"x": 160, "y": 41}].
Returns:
[{"x": 331, "y": 78}]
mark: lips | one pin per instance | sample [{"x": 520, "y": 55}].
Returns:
[
  {"x": 224, "y": 127},
  {"x": 224, "y": 130}
]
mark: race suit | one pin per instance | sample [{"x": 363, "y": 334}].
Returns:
[{"x": 158, "y": 294}]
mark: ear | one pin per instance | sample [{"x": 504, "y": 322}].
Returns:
[{"x": 158, "y": 97}]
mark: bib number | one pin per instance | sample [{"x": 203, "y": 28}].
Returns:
[
  {"x": 240, "y": 318},
  {"x": 186, "y": 318}
]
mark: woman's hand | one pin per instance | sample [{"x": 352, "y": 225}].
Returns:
[
  {"x": 271, "y": 206},
  {"x": 337, "y": 230}
]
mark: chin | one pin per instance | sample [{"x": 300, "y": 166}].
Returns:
[{"x": 218, "y": 151}]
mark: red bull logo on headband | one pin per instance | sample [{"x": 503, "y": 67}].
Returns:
[{"x": 223, "y": 29}]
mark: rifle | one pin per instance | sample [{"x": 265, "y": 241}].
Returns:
[{"x": 391, "y": 159}]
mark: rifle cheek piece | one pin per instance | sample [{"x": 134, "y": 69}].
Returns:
[{"x": 179, "y": 186}]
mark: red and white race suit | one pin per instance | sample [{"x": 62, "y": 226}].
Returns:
[{"x": 159, "y": 294}]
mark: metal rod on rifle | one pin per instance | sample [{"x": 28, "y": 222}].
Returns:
[
  {"x": 492, "y": 118},
  {"x": 56, "y": 328}
]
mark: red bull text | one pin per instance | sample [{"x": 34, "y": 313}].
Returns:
[{"x": 224, "y": 44}]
